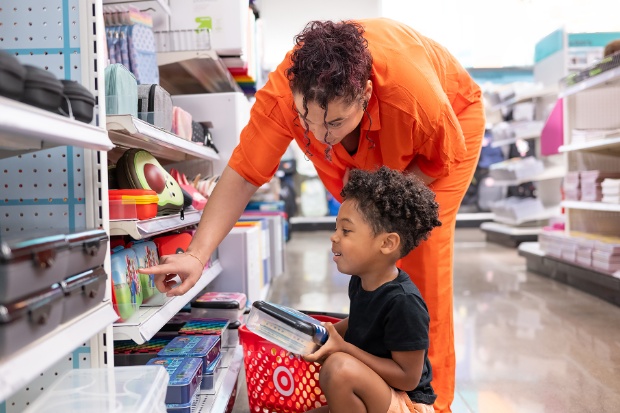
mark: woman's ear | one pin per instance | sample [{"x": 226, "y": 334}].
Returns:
[
  {"x": 368, "y": 90},
  {"x": 391, "y": 243}
]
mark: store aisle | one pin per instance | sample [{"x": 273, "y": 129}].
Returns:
[{"x": 524, "y": 343}]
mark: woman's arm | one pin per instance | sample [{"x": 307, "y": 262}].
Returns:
[
  {"x": 414, "y": 169},
  {"x": 226, "y": 204},
  {"x": 342, "y": 326}
]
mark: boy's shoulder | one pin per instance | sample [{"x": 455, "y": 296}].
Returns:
[{"x": 408, "y": 286}]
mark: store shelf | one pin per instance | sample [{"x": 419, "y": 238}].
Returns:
[
  {"x": 192, "y": 72},
  {"x": 24, "y": 128},
  {"x": 606, "y": 78},
  {"x": 129, "y": 132},
  {"x": 21, "y": 368},
  {"x": 555, "y": 172},
  {"x": 528, "y": 95},
  {"x": 154, "y": 226},
  {"x": 508, "y": 235},
  {"x": 543, "y": 216},
  {"x": 610, "y": 144},
  {"x": 143, "y": 325},
  {"x": 602, "y": 285},
  {"x": 218, "y": 403},
  {"x": 158, "y": 6},
  {"x": 592, "y": 206}
]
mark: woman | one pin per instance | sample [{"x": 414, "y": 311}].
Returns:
[{"x": 358, "y": 95}]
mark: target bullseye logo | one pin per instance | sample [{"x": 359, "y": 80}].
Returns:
[{"x": 283, "y": 380}]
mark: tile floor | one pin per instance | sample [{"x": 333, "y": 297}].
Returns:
[{"x": 524, "y": 343}]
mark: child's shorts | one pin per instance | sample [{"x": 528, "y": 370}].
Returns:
[{"x": 401, "y": 403}]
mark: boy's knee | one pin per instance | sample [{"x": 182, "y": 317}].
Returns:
[{"x": 337, "y": 367}]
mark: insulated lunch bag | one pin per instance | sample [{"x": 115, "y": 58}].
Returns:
[{"x": 138, "y": 169}]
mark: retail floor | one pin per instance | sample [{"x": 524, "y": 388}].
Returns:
[{"x": 524, "y": 343}]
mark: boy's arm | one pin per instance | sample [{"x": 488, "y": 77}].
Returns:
[
  {"x": 342, "y": 326},
  {"x": 402, "y": 372}
]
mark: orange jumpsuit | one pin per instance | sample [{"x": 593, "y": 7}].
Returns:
[{"x": 425, "y": 108}]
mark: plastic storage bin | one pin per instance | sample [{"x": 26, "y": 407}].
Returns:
[
  {"x": 132, "y": 204},
  {"x": 185, "y": 377},
  {"x": 276, "y": 380},
  {"x": 82, "y": 292},
  {"x": 206, "y": 348},
  {"x": 233, "y": 334},
  {"x": 29, "y": 318},
  {"x": 219, "y": 305},
  {"x": 286, "y": 327},
  {"x": 138, "y": 389}
]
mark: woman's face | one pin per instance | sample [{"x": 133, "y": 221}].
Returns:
[{"x": 342, "y": 118}]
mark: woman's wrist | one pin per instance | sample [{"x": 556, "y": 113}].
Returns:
[{"x": 196, "y": 257}]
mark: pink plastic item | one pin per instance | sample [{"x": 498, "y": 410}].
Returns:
[{"x": 181, "y": 123}]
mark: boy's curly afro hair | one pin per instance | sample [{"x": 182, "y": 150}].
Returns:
[{"x": 391, "y": 201}]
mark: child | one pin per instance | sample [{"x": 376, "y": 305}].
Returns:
[{"x": 376, "y": 359}]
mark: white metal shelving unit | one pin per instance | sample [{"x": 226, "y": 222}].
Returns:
[
  {"x": 24, "y": 128},
  {"x": 591, "y": 142},
  {"x": 225, "y": 385},
  {"x": 21, "y": 368},
  {"x": 71, "y": 158},
  {"x": 155, "y": 226},
  {"x": 147, "y": 321},
  {"x": 129, "y": 132}
]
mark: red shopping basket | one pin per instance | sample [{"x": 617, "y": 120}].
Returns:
[{"x": 277, "y": 381}]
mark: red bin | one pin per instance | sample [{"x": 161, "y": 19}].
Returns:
[{"x": 277, "y": 381}]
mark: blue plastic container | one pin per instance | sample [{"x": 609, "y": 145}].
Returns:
[
  {"x": 206, "y": 348},
  {"x": 185, "y": 377}
]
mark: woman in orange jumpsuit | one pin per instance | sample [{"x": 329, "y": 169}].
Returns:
[{"x": 360, "y": 95}]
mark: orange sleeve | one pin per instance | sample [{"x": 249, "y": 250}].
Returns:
[{"x": 266, "y": 137}]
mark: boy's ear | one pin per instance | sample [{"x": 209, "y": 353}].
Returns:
[{"x": 391, "y": 243}]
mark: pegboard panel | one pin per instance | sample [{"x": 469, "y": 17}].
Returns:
[
  {"x": 45, "y": 189},
  {"x": 45, "y": 33},
  {"x": 78, "y": 358}
]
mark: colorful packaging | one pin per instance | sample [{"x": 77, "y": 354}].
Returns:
[
  {"x": 146, "y": 251},
  {"x": 128, "y": 353},
  {"x": 219, "y": 305},
  {"x": 127, "y": 290},
  {"x": 206, "y": 327}
]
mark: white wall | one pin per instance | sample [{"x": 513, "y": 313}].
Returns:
[{"x": 283, "y": 19}]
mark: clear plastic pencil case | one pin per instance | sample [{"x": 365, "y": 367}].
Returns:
[{"x": 290, "y": 329}]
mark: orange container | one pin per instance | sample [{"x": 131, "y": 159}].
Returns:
[
  {"x": 133, "y": 204},
  {"x": 277, "y": 381}
]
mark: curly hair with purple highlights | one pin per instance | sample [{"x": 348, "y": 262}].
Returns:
[{"x": 331, "y": 61}]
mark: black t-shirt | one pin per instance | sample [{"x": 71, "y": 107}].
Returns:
[{"x": 394, "y": 317}]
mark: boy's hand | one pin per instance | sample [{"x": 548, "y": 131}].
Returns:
[{"x": 334, "y": 344}]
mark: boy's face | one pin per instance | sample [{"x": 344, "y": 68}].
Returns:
[{"x": 354, "y": 245}]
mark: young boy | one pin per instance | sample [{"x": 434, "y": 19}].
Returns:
[{"x": 376, "y": 360}]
